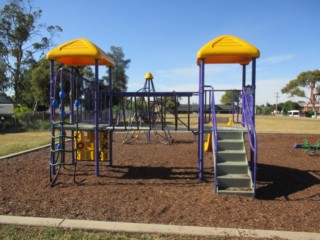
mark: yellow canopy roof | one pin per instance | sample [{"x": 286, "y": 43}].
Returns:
[
  {"x": 227, "y": 49},
  {"x": 79, "y": 52}
]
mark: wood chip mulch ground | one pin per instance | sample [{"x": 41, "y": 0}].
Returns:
[{"x": 158, "y": 183}]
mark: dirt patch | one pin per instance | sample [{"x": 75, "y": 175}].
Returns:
[{"x": 157, "y": 183}]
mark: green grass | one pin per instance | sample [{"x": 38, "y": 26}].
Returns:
[
  {"x": 16, "y": 142},
  {"x": 11, "y": 232},
  {"x": 278, "y": 124}
]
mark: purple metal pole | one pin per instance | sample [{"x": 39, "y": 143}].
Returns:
[
  {"x": 110, "y": 117},
  {"x": 110, "y": 147},
  {"x": 52, "y": 109},
  {"x": 96, "y": 118},
  {"x": 254, "y": 158},
  {"x": 243, "y": 87},
  {"x": 201, "y": 113},
  {"x": 253, "y": 90},
  {"x": 110, "y": 97},
  {"x": 72, "y": 79}
]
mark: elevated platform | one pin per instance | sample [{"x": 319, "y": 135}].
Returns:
[{"x": 91, "y": 127}]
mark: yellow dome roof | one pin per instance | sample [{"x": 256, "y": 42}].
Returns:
[
  {"x": 227, "y": 49},
  {"x": 79, "y": 52},
  {"x": 148, "y": 76}
]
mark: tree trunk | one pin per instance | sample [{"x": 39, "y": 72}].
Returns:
[
  {"x": 35, "y": 106},
  {"x": 314, "y": 108}
]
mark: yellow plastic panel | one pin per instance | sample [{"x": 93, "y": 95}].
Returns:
[
  {"x": 90, "y": 136},
  {"x": 85, "y": 155},
  {"x": 227, "y": 49},
  {"x": 79, "y": 52},
  {"x": 103, "y": 156}
]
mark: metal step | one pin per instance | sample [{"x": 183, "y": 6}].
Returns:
[
  {"x": 241, "y": 191},
  {"x": 232, "y": 156},
  {"x": 234, "y": 180},
  {"x": 225, "y": 168},
  {"x": 236, "y": 135},
  {"x": 230, "y": 144}
]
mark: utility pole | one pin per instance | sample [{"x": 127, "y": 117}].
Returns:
[{"x": 277, "y": 97}]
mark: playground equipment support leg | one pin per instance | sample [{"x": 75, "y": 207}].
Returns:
[
  {"x": 201, "y": 112},
  {"x": 96, "y": 119}
]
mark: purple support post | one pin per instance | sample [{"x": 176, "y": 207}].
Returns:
[
  {"x": 96, "y": 118},
  {"x": 110, "y": 147},
  {"x": 110, "y": 117},
  {"x": 110, "y": 97},
  {"x": 52, "y": 109},
  {"x": 243, "y": 87},
  {"x": 72, "y": 79},
  {"x": 253, "y": 83},
  {"x": 149, "y": 136},
  {"x": 200, "y": 119}
]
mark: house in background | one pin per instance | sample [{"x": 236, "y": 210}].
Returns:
[
  {"x": 314, "y": 93},
  {"x": 185, "y": 108},
  {"x": 6, "y": 105}
]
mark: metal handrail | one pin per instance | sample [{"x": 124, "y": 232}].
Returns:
[
  {"x": 248, "y": 117},
  {"x": 215, "y": 134}
]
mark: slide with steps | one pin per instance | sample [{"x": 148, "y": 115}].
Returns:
[{"x": 233, "y": 172}]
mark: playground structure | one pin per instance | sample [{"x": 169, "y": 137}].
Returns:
[
  {"x": 146, "y": 111},
  {"x": 91, "y": 119}
]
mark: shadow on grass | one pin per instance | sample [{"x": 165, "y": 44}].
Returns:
[{"x": 279, "y": 181}]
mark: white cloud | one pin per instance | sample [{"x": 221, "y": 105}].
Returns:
[
  {"x": 266, "y": 91},
  {"x": 278, "y": 59},
  {"x": 179, "y": 73}
]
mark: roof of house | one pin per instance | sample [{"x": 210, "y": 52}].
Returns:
[{"x": 5, "y": 100}]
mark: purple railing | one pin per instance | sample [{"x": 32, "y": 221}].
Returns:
[
  {"x": 248, "y": 121},
  {"x": 215, "y": 135}
]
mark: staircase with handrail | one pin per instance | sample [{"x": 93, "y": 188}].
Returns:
[{"x": 234, "y": 165}]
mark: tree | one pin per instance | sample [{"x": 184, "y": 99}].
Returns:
[
  {"x": 226, "y": 99},
  {"x": 119, "y": 77},
  {"x": 20, "y": 39},
  {"x": 40, "y": 85},
  {"x": 295, "y": 88},
  {"x": 3, "y": 77},
  {"x": 289, "y": 105}
]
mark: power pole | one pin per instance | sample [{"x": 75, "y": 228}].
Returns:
[{"x": 277, "y": 97}]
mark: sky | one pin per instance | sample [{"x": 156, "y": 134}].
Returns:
[{"x": 164, "y": 36}]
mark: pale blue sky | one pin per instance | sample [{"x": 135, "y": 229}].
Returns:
[{"x": 163, "y": 37}]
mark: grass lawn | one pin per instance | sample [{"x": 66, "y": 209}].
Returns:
[
  {"x": 277, "y": 124},
  {"x": 16, "y": 142},
  {"x": 11, "y": 232}
]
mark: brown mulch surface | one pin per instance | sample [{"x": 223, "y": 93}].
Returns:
[{"x": 158, "y": 183}]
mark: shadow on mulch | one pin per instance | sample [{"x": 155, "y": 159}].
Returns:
[
  {"x": 283, "y": 181},
  {"x": 148, "y": 173},
  {"x": 165, "y": 173}
]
